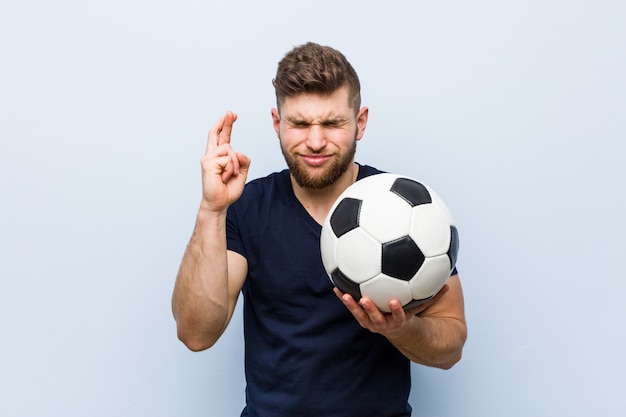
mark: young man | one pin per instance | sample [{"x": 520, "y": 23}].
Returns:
[{"x": 310, "y": 350}]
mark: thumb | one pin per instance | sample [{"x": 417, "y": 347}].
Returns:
[{"x": 244, "y": 162}]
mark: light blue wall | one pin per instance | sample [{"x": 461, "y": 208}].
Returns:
[{"x": 515, "y": 112}]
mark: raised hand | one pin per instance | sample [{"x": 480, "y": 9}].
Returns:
[{"x": 224, "y": 171}]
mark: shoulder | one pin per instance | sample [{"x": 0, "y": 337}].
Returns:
[
  {"x": 262, "y": 194},
  {"x": 366, "y": 171},
  {"x": 272, "y": 183}
]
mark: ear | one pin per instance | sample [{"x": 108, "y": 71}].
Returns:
[
  {"x": 361, "y": 122},
  {"x": 276, "y": 121}
]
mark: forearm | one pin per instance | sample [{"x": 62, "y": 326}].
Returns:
[
  {"x": 432, "y": 341},
  {"x": 200, "y": 298}
]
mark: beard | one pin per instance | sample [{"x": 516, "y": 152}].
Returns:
[{"x": 338, "y": 166}]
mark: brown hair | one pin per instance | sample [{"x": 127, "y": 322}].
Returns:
[{"x": 316, "y": 69}]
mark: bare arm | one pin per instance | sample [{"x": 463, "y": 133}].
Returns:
[
  {"x": 210, "y": 277},
  {"x": 432, "y": 334},
  {"x": 207, "y": 285}
]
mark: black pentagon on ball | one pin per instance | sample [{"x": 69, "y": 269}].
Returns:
[
  {"x": 401, "y": 258},
  {"x": 411, "y": 191},
  {"x": 345, "y": 284},
  {"x": 345, "y": 217},
  {"x": 453, "y": 252}
]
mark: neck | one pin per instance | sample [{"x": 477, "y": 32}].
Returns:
[{"x": 319, "y": 202}]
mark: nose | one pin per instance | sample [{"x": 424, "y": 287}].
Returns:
[{"x": 316, "y": 139}]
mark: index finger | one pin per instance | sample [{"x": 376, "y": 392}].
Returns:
[
  {"x": 227, "y": 128},
  {"x": 221, "y": 131}
]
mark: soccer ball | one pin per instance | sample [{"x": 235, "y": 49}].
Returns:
[{"x": 389, "y": 236}]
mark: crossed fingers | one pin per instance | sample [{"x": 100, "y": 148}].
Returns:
[{"x": 218, "y": 146}]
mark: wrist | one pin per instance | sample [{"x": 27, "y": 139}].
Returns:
[
  {"x": 207, "y": 210},
  {"x": 206, "y": 215}
]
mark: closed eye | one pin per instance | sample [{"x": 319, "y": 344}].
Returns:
[
  {"x": 329, "y": 123},
  {"x": 300, "y": 124},
  {"x": 333, "y": 123}
]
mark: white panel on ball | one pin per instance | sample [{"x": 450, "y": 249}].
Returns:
[
  {"x": 440, "y": 203},
  {"x": 431, "y": 277},
  {"x": 358, "y": 255},
  {"x": 328, "y": 248},
  {"x": 378, "y": 210},
  {"x": 430, "y": 229},
  {"x": 382, "y": 289}
]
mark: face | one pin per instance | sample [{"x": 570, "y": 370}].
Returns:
[{"x": 318, "y": 135}]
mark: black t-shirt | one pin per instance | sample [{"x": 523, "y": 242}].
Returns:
[{"x": 305, "y": 355}]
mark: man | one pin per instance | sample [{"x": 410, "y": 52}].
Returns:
[{"x": 309, "y": 352}]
